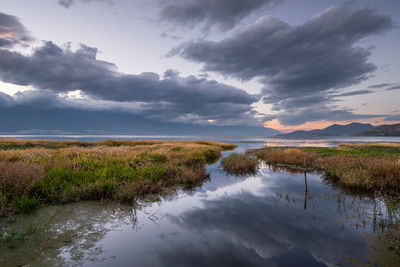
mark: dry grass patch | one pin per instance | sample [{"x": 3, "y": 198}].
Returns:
[{"x": 20, "y": 177}]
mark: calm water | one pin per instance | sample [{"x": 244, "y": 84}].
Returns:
[{"x": 264, "y": 220}]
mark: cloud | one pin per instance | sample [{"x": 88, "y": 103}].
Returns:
[
  {"x": 353, "y": 93},
  {"x": 69, "y": 3},
  {"x": 298, "y": 65},
  {"x": 393, "y": 86},
  {"x": 60, "y": 70},
  {"x": 380, "y": 85},
  {"x": 173, "y": 37},
  {"x": 222, "y": 13},
  {"x": 12, "y": 32},
  {"x": 318, "y": 112},
  {"x": 396, "y": 87}
]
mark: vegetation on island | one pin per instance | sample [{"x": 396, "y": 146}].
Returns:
[
  {"x": 370, "y": 167},
  {"x": 240, "y": 164},
  {"x": 35, "y": 172}
]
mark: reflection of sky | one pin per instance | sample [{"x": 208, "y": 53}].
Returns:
[{"x": 273, "y": 227}]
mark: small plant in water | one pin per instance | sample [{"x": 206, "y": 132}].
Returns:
[{"x": 14, "y": 238}]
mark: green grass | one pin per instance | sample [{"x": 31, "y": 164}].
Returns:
[{"x": 65, "y": 171}]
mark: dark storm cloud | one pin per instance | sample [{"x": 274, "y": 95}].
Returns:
[
  {"x": 223, "y": 13},
  {"x": 69, "y": 3},
  {"x": 302, "y": 64},
  {"x": 12, "y": 32},
  {"x": 58, "y": 70},
  {"x": 41, "y": 99},
  {"x": 6, "y": 100},
  {"x": 38, "y": 99}
]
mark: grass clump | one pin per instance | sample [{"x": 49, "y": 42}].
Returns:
[
  {"x": 372, "y": 168},
  {"x": 38, "y": 172},
  {"x": 240, "y": 164}
]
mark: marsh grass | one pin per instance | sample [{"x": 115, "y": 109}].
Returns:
[
  {"x": 240, "y": 164},
  {"x": 37, "y": 172},
  {"x": 372, "y": 170}
]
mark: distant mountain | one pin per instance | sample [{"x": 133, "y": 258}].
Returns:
[
  {"x": 384, "y": 130},
  {"x": 29, "y": 120},
  {"x": 333, "y": 130}
]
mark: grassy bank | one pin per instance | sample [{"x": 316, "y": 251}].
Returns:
[
  {"x": 373, "y": 167},
  {"x": 33, "y": 172},
  {"x": 240, "y": 164}
]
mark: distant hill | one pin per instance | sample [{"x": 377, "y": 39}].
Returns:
[
  {"x": 384, "y": 130},
  {"x": 29, "y": 120},
  {"x": 333, "y": 130}
]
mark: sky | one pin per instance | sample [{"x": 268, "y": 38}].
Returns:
[{"x": 283, "y": 64}]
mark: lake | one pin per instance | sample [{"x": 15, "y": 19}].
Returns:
[{"x": 274, "y": 218}]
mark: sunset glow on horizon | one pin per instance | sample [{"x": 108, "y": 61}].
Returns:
[{"x": 314, "y": 125}]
